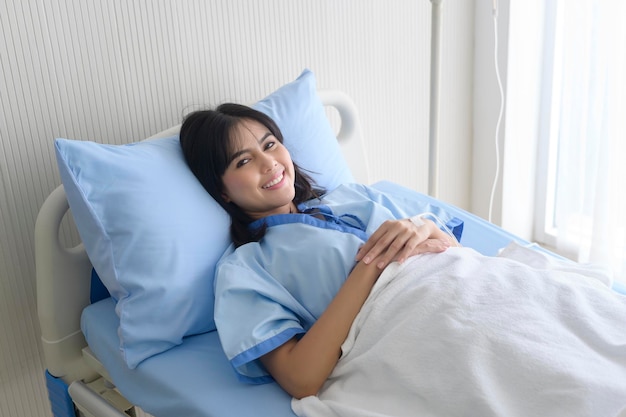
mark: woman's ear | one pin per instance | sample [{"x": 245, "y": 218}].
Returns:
[{"x": 226, "y": 198}]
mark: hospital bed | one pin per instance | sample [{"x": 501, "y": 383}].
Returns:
[{"x": 87, "y": 371}]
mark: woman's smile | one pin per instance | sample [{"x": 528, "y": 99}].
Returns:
[{"x": 275, "y": 181}]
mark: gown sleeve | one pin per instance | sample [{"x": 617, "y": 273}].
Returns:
[{"x": 254, "y": 316}]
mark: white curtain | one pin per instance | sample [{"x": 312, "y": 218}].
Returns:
[{"x": 590, "y": 200}]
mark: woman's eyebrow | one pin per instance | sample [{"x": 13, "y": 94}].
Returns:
[
  {"x": 243, "y": 151},
  {"x": 265, "y": 136}
]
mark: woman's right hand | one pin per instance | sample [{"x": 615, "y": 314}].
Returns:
[{"x": 396, "y": 240}]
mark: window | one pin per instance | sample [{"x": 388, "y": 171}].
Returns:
[{"x": 582, "y": 173}]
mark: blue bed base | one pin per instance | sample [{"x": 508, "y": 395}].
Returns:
[{"x": 60, "y": 401}]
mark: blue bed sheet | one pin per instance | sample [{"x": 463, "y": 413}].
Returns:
[{"x": 192, "y": 380}]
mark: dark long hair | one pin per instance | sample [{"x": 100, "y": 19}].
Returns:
[{"x": 206, "y": 141}]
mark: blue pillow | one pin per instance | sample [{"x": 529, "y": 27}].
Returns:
[{"x": 154, "y": 234}]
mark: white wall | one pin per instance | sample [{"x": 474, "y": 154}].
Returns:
[{"x": 121, "y": 70}]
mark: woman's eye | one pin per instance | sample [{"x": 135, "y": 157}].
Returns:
[
  {"x": 270, "y": 145},
  {"x": 242, "y": 162}
]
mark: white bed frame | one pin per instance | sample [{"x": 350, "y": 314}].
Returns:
[{"x": 63, "y": 284}]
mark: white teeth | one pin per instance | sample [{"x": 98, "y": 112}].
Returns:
[{"x": 273, "y": 182}]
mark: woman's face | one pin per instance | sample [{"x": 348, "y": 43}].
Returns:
[{"x": 260, "y": 176}]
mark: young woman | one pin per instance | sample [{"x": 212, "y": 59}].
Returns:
[{"x": 304, "y": 261}]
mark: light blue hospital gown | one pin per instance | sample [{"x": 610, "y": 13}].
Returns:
[{"x": 270, "y": 291}]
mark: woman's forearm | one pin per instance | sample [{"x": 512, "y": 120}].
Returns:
[{"x": 301, "y": 366}]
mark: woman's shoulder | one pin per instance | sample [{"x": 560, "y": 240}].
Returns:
[
  {"x": 238, "y": 264},
  {"x": 234, "y": 254}
]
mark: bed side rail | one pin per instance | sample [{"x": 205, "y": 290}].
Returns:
[{"x": 62, "y": 276}]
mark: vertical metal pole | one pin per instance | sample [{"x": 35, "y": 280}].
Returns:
[{"x": 435, "y": 64}]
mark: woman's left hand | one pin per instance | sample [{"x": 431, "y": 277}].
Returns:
[{"x": 396, "y": 240}]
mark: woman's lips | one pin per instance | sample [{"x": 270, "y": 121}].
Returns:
[{"x": 275, "y": 181}]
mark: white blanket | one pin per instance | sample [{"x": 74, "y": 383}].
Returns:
[{"x": 461, "y": 334}]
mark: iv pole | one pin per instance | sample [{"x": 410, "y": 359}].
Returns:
[{"x": 435, "y": 61}]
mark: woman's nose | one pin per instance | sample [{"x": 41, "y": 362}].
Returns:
[{"x": 268, "y": 163}]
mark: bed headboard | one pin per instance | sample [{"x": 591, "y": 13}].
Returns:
[{"x": 63, "y": 274}]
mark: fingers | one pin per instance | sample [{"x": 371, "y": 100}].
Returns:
[
  {"x": 380, "y": 240},
  {"x": 396, "y": 240},
  {"x": 398, "y": 249},
  {"x": 432, "y": 246}
]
